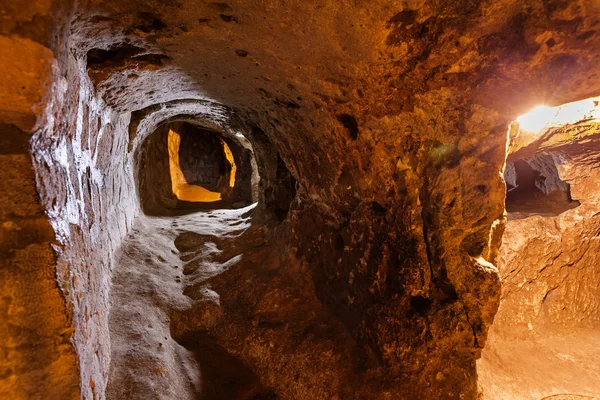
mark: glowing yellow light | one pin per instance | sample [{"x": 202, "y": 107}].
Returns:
[
  {"x": 179, "y": 185},
  {"x": 229, "y": 156},
  {"x": 543, "y": 117}
]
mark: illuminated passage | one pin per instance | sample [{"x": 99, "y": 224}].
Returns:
[
  {"x": 543, "y": 340},
  {"x": 193, "y": 191},
  {"x": 182, "y": 167}
]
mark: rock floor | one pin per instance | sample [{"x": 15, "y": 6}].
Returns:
[
  {"x": 557, "y": 367},
  {"x": 157, "y": 261}
]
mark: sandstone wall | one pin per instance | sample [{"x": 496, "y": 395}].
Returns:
[
  {"x": 202, "y": 159},
  {"x": 37, "y": 360},
  {"x": 85, "y": 180}
]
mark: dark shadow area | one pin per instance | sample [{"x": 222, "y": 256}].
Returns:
[
  {"x": 202, "y": 159},
  {"x": 286, "y": 190},
  {"x": 223, "y": 376},
  {"x": 534, "y": 187}
]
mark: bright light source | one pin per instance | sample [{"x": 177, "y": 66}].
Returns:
[
  {"x": 231, "y": 160},
  {"x": 543, "y": 117},
  {"x": 179, "y": 185}
]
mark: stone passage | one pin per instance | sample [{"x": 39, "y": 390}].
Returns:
[
  {"x": 544, "y": 339},
  {"x": 348, "y": 246},
  {"x": 184, "y": 167}
]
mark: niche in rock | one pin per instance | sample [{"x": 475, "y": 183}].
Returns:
[
  {"x": 534, "y": 187},
  {"x": 183, "y": 167}
]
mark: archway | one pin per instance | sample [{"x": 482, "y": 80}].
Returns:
[{"x": 183, "y": 167}]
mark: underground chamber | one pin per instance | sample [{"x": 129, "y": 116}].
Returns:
[
  {"x": 298, "y": 200},
  {"x": 212, "y": 205}
]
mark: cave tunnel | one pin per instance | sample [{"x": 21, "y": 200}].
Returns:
[
  {"x": 546, "y": 328},
  {"x": 299, "y": 200},
  {"x": 182, "y": 168},
  {"x": 534, "y": 186}
]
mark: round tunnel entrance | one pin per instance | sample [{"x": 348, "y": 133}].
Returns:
[{"x": 183, "y": 167}]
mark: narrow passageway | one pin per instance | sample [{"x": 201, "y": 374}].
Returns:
[
  {"x": 160, "y": 258},
  {"x": 543, "y": 343},
  {"x": 534, "y": 187},
  {"x": 202, "y": 307}
]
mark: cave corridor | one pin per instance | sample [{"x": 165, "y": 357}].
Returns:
[{"x": 263, "y": 200}]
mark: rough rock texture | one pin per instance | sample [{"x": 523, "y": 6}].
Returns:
[
  {"x": 154, "y": 183},
  {"x": 202, "y": 159},
  {"x": 379, "y": 131},
  {"x": 544, "y": 338},
  {"x": 37, "y": 360}
]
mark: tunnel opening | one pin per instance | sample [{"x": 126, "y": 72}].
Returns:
[
  {"x": 214, "y": 204},
  {"x": 541, "y": 343},
  {"x": 184, "y": 167},
  {"x": 534, "y": 187}
]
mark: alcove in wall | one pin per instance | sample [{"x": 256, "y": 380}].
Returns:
[{"x": 534, "y": 187}]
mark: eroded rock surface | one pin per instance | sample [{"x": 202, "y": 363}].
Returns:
[
  {"x": 37, "y": 359},
  {"x": 543, "y": 340}
]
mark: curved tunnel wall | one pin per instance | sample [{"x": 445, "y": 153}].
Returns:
[
  {"x": 85, "y": 156},
  {"x": 85, "y": 161},
  {"x": 85, "y": 179}
]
